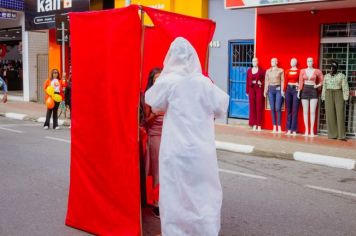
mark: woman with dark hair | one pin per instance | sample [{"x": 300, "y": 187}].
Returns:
[
  {"x": 53, "y": 81},
  {"x": 153, "y": 123}
]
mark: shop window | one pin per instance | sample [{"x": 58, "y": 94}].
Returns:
[
  {"x": 353, "y": 30},
  {"x": 335, "y": 30}
]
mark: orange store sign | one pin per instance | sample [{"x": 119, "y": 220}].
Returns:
[{"x": 261, "y": 3}]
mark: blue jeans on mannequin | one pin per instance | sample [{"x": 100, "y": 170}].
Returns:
[
  {"x": 275, "y": 101},
  {"x": 292, "y": 104}
]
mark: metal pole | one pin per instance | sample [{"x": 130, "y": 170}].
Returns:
[
  {"x": 63, "y": 50},
  {"x": 139, "y": 100},
  {"x": 127, "y": 2}
]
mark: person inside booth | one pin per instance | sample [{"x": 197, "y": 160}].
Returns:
[{"x": 153, "y": 125}]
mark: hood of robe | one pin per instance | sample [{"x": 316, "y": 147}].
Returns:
[{"x": 181, "y": 60}]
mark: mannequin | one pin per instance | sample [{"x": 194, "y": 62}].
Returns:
[
  {"x": 310, "y": 80},
  {"x": 291, "y": 91},
  {"x": 335, "y": 92},
  {"x": 274, "y": 84},
  {"x": 254, "y": 91}
]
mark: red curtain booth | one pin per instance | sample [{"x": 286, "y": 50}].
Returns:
[
  {"x": 297, "y": 34},
  {"x": 104, "y": 194},
  {"x": 168, "y": 26}
]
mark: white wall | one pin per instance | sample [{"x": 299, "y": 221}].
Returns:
[
  {"x": 230, "y": 25},
  {"x": 33, "y": 43}
]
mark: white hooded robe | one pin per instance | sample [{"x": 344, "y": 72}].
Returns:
[{"x": 190, "y": 191}]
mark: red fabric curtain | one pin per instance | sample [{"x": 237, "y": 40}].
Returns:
[
  {"x": 104, "y": 195},
  {"x": 168, "y": 26}
]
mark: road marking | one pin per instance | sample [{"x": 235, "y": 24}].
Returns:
[
  {"x": 242, "y": 174},
  {"x": 12, "y": 130},
  {"x": 15, "y": 116},
  {"x": 331, "y": 190},
  {"x": 24, "y": 125},
  {"x": 41, "y": 119},
  {"x": 325, "y": 160},
  {"x": 58, "y": 139},
  {"x": 233, "y": 147}
]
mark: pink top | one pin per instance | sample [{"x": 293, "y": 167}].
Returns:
[{"x": 316, "y": 77}]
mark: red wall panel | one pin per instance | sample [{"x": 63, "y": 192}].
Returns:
[{"x": 288, "y": 35}]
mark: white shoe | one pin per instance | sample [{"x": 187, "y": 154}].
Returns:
[
  {"x": 279, "y": 129},
  {"x": 294, "y": 133},
  {"x": 259, "y": 129},
  {"x": 274, "y": 129},
  {"x": 45, "y": 127},
  {"x": 254, "y": 128},
  {"x": 57, "y": 128},
  {"x": 288, "y": 133}
]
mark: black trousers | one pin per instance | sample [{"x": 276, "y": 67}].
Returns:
[{"x": 55, "y": 116}]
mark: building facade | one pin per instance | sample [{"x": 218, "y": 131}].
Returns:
[{"x": 324, "y": 30}]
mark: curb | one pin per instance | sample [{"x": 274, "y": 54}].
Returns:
[
  {"x": 19, "y": 116},
  {"x": 330, "y": 161}
]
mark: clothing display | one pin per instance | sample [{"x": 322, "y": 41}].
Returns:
[
  {"x": 309, "y": 92},
  {"x": 292, "y": 101},
  {"x": 291, "y": 76},
  {"x": 254, "y": 89},
  {"x": 274, "y": 77},
  {"x": 275, "y": 100},
  {"x": 316, "y": 77},
  {"x": 338, "y": 81},
  {"x": 335, "y": 92}
]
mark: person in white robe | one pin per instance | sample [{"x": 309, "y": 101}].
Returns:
[{"x": 190, "y": 190}]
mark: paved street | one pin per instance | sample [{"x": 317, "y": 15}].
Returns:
[{"x": 262, "y": 196}]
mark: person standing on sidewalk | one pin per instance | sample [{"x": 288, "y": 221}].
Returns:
[
  {"x": 153, "y": 124},
  {"x": 3, "y": 86},
  {"x": 53, "y": 81},
  {"x": 190, "y": 190}
]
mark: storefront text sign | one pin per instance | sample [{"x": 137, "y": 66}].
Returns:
[
  {"x": 40, "y": 14},
  {"x": 262, "y": 3},
  {"x": 8, "y": 15}
]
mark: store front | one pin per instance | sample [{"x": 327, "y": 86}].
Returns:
[
  {"x": 324, "y": 30},
  {"x": 306, "y": 34},
  {"x": 11, "y": 68}
]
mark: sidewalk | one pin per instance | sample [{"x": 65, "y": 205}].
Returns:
[
  {"x": 27, "y": 111},
  {"x": 239, "y": 138}
]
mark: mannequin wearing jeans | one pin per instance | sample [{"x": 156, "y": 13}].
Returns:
[
  {"x": 254, "y": 91},
  {"x": 335, "y": 93},
  {"x": 310, "y": 80},
  {"x": 274, "y": 83},
  {"x": 292, "y": 102}
]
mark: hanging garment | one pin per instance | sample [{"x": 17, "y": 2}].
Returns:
[{"x": 190, "y": 190}]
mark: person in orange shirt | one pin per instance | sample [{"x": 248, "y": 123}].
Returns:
[{"x": 55, "y": 82}]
